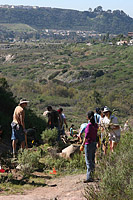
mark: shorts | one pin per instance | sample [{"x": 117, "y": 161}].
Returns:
[
  {"x": 18, "y": 134},
  {"x": 114, "y": 138}
]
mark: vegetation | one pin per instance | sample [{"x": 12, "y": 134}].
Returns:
[
  {"x": 92, "y": 76},
  {"x": 115, "y": 173},
  {"x": 78, "y": 78},
  {"x": 7, "y": 106},
  {"x": 113, "y": 22}
]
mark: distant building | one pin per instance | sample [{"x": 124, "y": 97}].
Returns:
[
  {"x": 130, "y": 34},
  {"x": 120, "y": 43}
]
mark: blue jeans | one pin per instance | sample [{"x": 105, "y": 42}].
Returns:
[{"x": 90, "y": 150}]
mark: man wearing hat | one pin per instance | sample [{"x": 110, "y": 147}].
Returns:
[
  {"x": 114, "y": 128},
  {"x": 18, "y": 126}
]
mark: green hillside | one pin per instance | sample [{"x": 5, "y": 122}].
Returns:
[
  {"x": 75, "y": 76},
  {"x": 114, "y": 22},
  {"x": 17, "y": 27}
]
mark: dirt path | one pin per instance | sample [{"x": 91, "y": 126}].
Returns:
[{"x": 65, "y": 188}]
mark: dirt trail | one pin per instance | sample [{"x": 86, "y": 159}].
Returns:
[{"x": 65, "y": 188}]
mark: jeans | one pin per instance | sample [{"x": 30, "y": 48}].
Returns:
[{"x": 90, "y": 150}]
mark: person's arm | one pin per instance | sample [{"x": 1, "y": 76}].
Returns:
[
  {"x": 84, "y": 141},
  {"x": 65, "y": 122},
  {"x": 22, "y": 115},
  {"x": 49, "y": 119},
  {"x": 85, "y": 138}
]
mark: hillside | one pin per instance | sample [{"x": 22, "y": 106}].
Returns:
[
  {"x": 114, "y": 22},
  {"x": 75, "y": 76}
]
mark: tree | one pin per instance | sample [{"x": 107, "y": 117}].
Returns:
[
  {"x": 98, "y": 9},
  {"x": 90, "y": 9}
]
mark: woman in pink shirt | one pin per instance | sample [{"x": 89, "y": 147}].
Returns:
[{"x": 90, "y": 146}]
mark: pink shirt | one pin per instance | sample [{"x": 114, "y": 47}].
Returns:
[{"x": 91, "y": 133}]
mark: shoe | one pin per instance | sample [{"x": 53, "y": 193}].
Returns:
[{"x": 88, "y": 181}]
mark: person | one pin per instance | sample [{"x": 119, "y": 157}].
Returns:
[
  {"x": 82, "y": 130},
  {"x": 73, "y": 132},
  {"x": 53, "y": 120},
  {"x": 62, "y": 121},
  {"x": 18, "y": 126},
  {"x": 111, "y": 122},
  {"x": 104, "y": 143},
  {"x": 90, "y": 146},
  {"x": 97, "y": 115},
  {"x": 126, "y": 126},
  {"x": 97, "y": 120}
]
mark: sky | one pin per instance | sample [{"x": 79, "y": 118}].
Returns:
[{"x": 82, "y": 5}]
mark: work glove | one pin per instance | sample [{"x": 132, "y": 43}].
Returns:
[{"x": 81, "y": 148}]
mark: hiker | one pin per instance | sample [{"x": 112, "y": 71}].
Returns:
[
  {"x": 97, "y": 115},
  {"x": 90, "y": 146},
  {"x": 1, "y": 131},
  {"x": 111, "y": 122},
  {"x": 62, "y": 121},
  {"x": 97, "y": 120},
  {"x": 53, "y": 120},
  {"x": 82, "y": 130},
  {"x": 104, "y": 141},
  {"x": 126, "y": 126},
  {"x": 18, "y": 126},
  {"x": 73, "y": 132}
]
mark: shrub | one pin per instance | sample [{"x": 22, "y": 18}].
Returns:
[
  {"x": 50, "y": 136},
  {"x": 28, "y": 161},
  {"x": 115, "y": 173}
]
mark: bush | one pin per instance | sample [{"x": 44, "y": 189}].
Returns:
[
  {"x": 50, "y": 136},
  {"x": 28, "y": 161},
  {"x": 115, "y": 173}
]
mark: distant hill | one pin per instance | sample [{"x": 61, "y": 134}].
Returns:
[{"x": 113, "y": 22}]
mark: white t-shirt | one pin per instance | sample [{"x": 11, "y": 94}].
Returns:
[{"x": 112, "y": 120}]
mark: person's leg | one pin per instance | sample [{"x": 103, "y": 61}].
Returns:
[
  {"x": 111, "y": 148},
  {"x": 93, "y": 147},
  {"x": 14, "y": 138},
  {"x": 23, "y": 144},
  {"x": 88, "y": 159},
  {"x": 114, "y": 144},
  {"x": 14, "y": 146}
]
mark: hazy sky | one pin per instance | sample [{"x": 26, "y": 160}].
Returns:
[{"x": 125, "y": 5}]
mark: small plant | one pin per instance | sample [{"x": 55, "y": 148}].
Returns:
[
  {"x": 50, "y": 136},
  {"x": 28, "y": 161}
]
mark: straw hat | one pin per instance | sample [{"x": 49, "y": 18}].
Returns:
[{"x": 23, "y": 101}]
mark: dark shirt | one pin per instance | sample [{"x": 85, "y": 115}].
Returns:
[{"x": 53, "y": 119}]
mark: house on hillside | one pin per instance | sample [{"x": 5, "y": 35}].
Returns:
[
  {"x": 122, "y": 42},
  {"x": 130, "y": 43},
  {"x": 130, "y": 34}
]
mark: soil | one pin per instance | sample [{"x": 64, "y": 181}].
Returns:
[{"x": 65, "y": 188}]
